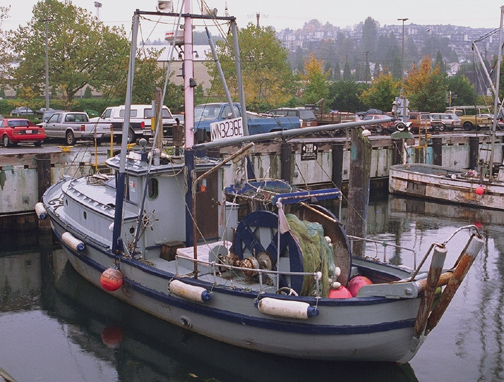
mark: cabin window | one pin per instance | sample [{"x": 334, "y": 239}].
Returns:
[
  {"x": 85, "y": 215},
  {"x": 152, "y": 188}
]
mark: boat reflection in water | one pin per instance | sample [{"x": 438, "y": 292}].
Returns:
[{"x": 151, "y": 349}]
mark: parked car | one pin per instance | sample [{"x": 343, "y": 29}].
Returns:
[
  {"x": 306, "y": 116},
  {"x": 381, "y": 126},
  {"x": 19, "y": 111},
  {"x": 46, "y": 114},
  {"x": 180, "y": 117},
  {"x": 18, "y": 130},
  {"x": 419, "y": 121},
  {"x": 445, "y": 121}
]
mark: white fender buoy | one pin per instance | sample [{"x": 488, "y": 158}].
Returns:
[
  {"x": 40, "y": 211},
  {"x": 72, "y": 241},
  {"x": 286, "y": 309},
  {"x": 190, "y": 292}
]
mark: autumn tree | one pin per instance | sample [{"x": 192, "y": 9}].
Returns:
[
  {"x": 425, "y": 87},
  {"x": 267, "y": 77},
  {"x": 82, "y": 51},
  {"x": 382, "y": 92},
  {"x": 315, "y": 80}
]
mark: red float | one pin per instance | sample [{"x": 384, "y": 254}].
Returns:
[
  {"x": 111, "y": 279},
  {"x": 356, "y": 283},
  {"x": 341, "y": 292},
  {"x": 480, "y": 190}
]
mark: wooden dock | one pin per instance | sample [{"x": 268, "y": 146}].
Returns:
[{"x": 26, "y": 171}]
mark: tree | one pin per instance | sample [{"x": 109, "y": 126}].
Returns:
[
  {"x": 461, "y": 91},
  {"x": 347, "y": 73},
  {"x": 369, "y": 33},
  {"x": 439, "y": 62},
  {"x": 344, "y": 96},
  {"x": 82, "y": 51},
  {"x": 382, "y": 92},
  {"x": 397, "y": 69},
  {"x": 5, "y": 57},
  {"x": 267, "y": 77},
  {"x": 425, "y": 88},
  {"x": 315, "y": 79},
  {"x": 337, "y": 72}
]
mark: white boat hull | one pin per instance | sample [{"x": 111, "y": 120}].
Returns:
[{"x": 357, "y": 329}]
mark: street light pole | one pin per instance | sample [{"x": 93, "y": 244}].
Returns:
[
  {"x": 402, "y": 71},
  {"x": 46, "y": 64},
  {"x": 46, "y": 60}
]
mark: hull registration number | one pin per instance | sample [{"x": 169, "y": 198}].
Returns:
[{"x": 230, "y": 128}]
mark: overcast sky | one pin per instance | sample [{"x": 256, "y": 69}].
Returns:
[{"x": 294, "y": 14}]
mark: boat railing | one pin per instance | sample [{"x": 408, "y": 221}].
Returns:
[
  {"x": 217, "y": 268},
  {"x": 382, "y": 244}
]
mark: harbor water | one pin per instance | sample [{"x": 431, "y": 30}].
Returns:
[{"x": 54, "y": 326}]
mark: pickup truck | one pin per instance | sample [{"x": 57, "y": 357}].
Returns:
[
  {"x": 331, "y": 117},
  {"x": 473, "y": 116},
  {"x": 208, "y": 113},
  {"x": 140, "y": 121},
  {"x": 73, "y": 125}
]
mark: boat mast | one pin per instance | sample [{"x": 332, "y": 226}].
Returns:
[
  {"x": 189, "y": 83},
  {"x": 121, "y": 176},
  {"x": 496, "y": 95},
  {"x": 234, "y": 30}
]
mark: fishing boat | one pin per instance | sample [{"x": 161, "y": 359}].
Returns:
[
  {"x": 258, "y": 264},
  {"x": 480, "y": 187}
]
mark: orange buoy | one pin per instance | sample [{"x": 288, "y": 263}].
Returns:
[
  {"x": 112, "y": 336},
  {"x": 480, "y": 190},
  {"x": 111, "y": 279},
  {"x": 341, "y": 292},
  {"x": 356, "y": 283}
]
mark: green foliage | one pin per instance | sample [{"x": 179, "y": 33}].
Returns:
[
  {"x": 88, "y": 93},
  {"x": 382, "y": 92},
  {"x": 337, "y": 72},
  {"x": 462, "y": 92},
  {"x": 345, "y": 96},
  {"x": 5, "y": 56},
  {"x": 347, "y": 73},
  {"x": 267, "y": 78},
  {"x": 82, "y": 52}
]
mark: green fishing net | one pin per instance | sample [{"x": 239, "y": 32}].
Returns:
[{"x": 317, "y": 254}]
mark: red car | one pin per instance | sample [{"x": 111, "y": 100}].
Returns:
[{"x": 18, "y": 130}]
